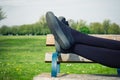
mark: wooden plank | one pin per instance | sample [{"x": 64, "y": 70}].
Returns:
[
  {"x": 112, "y": 37},
  {"x": 50, "y": 38},
  {"x": 67, "y": 58}
]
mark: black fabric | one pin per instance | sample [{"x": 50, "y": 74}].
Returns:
[
  {"x": 103, "y": 56},
  {"x": 85, "y": 39},
  {"x": 103, "y": 51}
]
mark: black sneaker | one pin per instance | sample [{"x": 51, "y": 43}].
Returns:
[
  {"x": 62, "y": 19},
  {"x": 61, "y": 32}
]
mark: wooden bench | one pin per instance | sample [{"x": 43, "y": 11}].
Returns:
[{"x": 57, "y": 58}]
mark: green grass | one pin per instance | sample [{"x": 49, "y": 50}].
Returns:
[{"x": 22, "y": 58}]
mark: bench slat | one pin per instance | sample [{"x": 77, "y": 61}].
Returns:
[
  {"x": 50, "y": 40},
  {"x": 67, "y": 58}
]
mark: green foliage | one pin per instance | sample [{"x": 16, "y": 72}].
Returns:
[
  {"x": 106, "y": 25},
  {"x": 43, "y": 24},
  {"x": 72, "y": 24},
  {"x": 80, "y": 24},
  {"x": 14, "y": 30},
  {"x": 22, "y": 58},
  {"x": 38, "y": 28},
  {"x": 114, "y": 29},
  {"x": 85, "y": 30},
  {"x": 96, "y": 28},
  {"x": 4, "y": 30},
  {"x": 2, "y": 14}
]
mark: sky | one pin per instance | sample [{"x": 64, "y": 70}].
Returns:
[{"x": 20, "y": 12}]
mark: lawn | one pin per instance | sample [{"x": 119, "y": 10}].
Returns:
[{"x": 22, "y": 58}]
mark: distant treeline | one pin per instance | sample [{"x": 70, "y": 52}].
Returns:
[{"x": 41, "y": 28}]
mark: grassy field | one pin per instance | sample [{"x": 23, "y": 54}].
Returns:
[{"x": 22, "y": 58}]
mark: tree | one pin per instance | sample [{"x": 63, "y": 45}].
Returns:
[
  {"x": 4, "y": 30},
  {"x": 80, "y": 24},
  {"x": 114, "y": 29},
  {"x": 43, "y": 25},
  {"x": 96, "y": 28},
  {"x": 106, "y": 25},
  {"x": 14, "y": 30},
  {"x": 72, "y": 24},
  {"x": 85, "y": 30},
  {"x": 2, "y": 14}
]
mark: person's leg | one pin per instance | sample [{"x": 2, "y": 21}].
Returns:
[
  {"x": 81, "y": 38},
  {"x": 90, "y": 40},
  {"x": 67, "y": 37},
  {"x": 103, "y": 56}
]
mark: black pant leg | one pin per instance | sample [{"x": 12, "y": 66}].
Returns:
[
  {"x": 81, "y": 38},
  {"x": 103, "y": 56}
]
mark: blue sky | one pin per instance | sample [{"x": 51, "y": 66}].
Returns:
[{"x": 29, "y": 11}]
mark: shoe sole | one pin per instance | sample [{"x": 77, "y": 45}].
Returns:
[{"x": 56, "y": 30}]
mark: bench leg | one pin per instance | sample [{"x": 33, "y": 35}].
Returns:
[
  {"x": 55, "y": 65},
  {"x": 58, "y": 67},
  {"x": 118, "y": 71}
]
